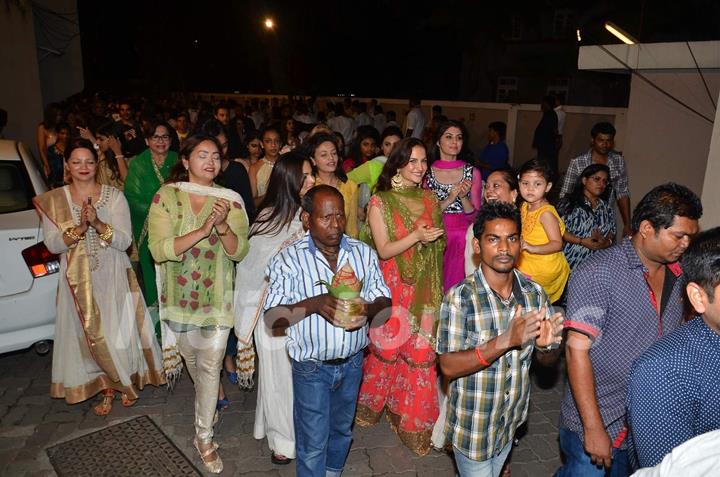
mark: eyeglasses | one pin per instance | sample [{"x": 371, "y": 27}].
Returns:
[
  {"x": 157, "y": 138},
  {"x": 599, "y": 179}
]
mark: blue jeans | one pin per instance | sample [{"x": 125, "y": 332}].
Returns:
[
  {"x": 231, "y": 349},
  {"x": 323, "y": 413},
  {"x": 481, "y": 468},
  {"x": 578, "y": 463}
]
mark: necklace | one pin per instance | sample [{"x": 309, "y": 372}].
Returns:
[
  {"x": 505, "y": 301},
  {"x": 156, "y": 169}
]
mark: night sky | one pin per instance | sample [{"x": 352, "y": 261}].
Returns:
[{"x": 380, "y": 48}]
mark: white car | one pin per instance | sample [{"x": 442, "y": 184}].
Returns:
[{"x": 28, "y": 271}]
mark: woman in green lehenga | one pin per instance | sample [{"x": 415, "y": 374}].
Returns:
[{"x": 147, "y": 172}]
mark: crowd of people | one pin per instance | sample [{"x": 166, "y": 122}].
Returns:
[{"x": 368, "y": 268}]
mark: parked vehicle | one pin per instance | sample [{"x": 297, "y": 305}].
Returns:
[{"x": 28, "y": 271}]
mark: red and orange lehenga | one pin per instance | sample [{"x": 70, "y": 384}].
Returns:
[{"x": 400, "y": 370}]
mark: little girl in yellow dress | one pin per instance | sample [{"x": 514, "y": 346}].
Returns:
[{"x": 542, "y": 258}]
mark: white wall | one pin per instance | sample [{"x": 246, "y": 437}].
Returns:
[
  {"x": 665, "y": 141},
  {"x": 20, "y": 80},
  {"x": 60, "y": 75},
  {"x": 711, "y": 191},
  {"x": 26, "y": 86}
]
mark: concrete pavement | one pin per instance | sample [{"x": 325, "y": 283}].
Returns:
[{"x": 30, "y": 421}]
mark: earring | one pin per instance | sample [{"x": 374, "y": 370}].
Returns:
[{"x": 396, "y": 182}]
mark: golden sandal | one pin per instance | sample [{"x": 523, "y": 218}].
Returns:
[
  {"x": 213, "y": 466},
  {"x": 103, "y": 409},
  {"x": 126, "y": 401}
]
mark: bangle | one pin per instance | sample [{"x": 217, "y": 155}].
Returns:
[
  {"x": 107, "y": 235},
  {"x": 119, "y": 155},
  {"x": 480, "y": 358},
  {"x": 70, "y": 232}
]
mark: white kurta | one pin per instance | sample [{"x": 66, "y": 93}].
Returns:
[
  {"x": 131, "y": 344},
  {"x": 274, "y": 409}
]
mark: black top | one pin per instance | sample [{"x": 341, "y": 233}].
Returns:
[{"x": 235, "y": 177}]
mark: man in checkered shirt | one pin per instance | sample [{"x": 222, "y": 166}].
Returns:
[
  {"x": 489, "y": 325},
  {"x": 601, "y": 152}
]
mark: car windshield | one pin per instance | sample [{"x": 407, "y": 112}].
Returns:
[{"x": 15, "y": 189}]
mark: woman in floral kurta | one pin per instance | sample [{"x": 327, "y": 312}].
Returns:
[{"x": 197, "y": 229}]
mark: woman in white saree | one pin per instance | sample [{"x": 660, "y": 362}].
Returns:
[
  {"x": 278, "y": 224},
  {"x": 104, "y": 340}
]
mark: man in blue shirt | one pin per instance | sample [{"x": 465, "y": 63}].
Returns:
[
  {"x": 495, "y": 155},
  {"x": 621, "y": 300},
  {"x": 325, "y": 351},
  {"x": 674, "y": 387}
]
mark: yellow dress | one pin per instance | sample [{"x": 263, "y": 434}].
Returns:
[
  {"x": 349, "y": 191},
  {"x": 550, "y": 271}
]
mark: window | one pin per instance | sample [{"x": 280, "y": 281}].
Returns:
[
  {"x": 560, "y": 87},
  {"x": 563, "y": 23},
  {"x": 15, "y": 190},
  {"x": 516, "y": 28},
  {"x": 507, "y": 87}
]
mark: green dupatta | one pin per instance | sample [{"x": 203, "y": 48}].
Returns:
[
  {"x": 420, "y": 265},
  {"x": 143, "y": 181}
]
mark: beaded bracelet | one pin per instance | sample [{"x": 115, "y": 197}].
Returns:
[{"x": 70, "y": 232}]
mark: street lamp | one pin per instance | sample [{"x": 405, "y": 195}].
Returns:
[
  {"x": 620, "y": 33},
  {"x": 269, "y": 23}
]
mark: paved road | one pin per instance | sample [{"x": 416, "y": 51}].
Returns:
[{"x": 30, "y": 422}]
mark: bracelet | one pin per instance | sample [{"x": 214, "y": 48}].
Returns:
[
  {"x": 107, "y": 235},
  {"x": 119, "y": 155},
  {"x": 545, "y": 349},
  {"x": 222, "y": 234},
  {"x": 70, "y": 232},
  {"x": 480, "y": 358}
]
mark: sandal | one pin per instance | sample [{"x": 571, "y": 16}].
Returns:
[
  {"x": 232, "y": 376},
  {"x": 214, "y": 466},
  {"x": 279, "y": 459},
  {"x": 126, "y": 401},
  {"x": 222, "y": 404},
  {"x": 103, "y": 409}
]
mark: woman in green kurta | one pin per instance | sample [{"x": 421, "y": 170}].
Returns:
[
  {"x": 146, "y": 173},
  {"x": 196, "y": 230}
]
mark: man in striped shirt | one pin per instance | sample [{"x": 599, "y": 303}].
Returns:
[
  {"x": 326, "y": 353},
  {"x": 489, "y": 325}
]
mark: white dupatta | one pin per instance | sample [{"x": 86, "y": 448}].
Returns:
[{"x": 172, "y": 361}]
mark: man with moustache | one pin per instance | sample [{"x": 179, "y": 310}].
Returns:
[
  {"x": 620, "y": 301},
  {"x": 601, "y": 152},
  {"x": 490, "y": 324},
  {"x": 326, "y": 353}
]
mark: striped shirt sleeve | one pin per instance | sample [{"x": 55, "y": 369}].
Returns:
[
  {"x": 283, "y": 281},
  {"x": 374, "y": 285}
]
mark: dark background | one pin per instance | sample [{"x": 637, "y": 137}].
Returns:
[{"x": 448, "y": 49}]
